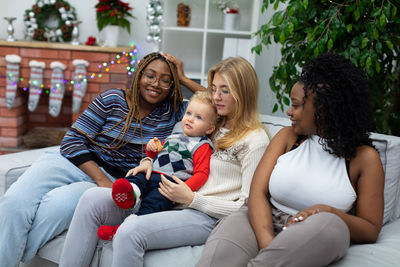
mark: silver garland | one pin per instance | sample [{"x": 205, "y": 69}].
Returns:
[{"x": 154, "y": 18}]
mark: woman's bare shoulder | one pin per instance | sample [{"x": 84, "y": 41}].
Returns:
[
  {"x": 367, "y": 156},
  {"x": 286, "y": 137}
]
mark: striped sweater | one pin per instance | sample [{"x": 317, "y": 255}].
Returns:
[{"x": 98, "y": 119}]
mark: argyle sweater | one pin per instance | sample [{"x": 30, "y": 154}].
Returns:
[
  {"x": 100, "y": 120},
  {"x": 185, "y": 157}
]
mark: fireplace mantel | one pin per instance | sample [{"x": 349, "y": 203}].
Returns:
[
  {"x": 64, "y": 46},
  {"x": 15, "y": 122}
]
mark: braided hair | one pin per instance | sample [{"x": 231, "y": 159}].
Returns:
[
  {"x": 133, "y": 96},
  {"x": 342, "y": 104}
]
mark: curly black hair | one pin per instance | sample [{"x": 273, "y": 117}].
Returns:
[{"x": 342, "y": 103}]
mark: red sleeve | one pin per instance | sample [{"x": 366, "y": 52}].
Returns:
[
  {"x": 152, "y": 154},
  {"x": 201, "y": 167}
]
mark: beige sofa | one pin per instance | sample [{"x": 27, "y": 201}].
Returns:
[{"x": 386, "y": 252}]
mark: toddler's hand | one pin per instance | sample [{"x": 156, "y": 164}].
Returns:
[{"x": 154, "y": 145}]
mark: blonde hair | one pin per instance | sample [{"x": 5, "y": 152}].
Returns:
[
  {"x": 132, "y": 98},
  {"x": 243, "y": 85},
  {"x": 206, "y": 98}
]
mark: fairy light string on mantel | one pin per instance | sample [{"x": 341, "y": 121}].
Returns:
[{"x": 125, "y": 57}]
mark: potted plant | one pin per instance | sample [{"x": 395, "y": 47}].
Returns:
[
  {"x": 365, "y": 32},
  {"x": 112, "y": 15},
  {"x": 231, "y": 14}
]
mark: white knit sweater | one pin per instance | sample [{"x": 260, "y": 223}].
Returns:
[{"x": 231, "y": 172}]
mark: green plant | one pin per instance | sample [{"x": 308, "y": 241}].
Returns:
[
  {"x": 113, "y": 12},
  {"x": 365, "y": 31}
]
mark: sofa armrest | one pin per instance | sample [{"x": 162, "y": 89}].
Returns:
[{"x": 14, "y": 164}]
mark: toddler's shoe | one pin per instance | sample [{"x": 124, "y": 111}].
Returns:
[
  {"x": 107, "y": 232},
  {"x": 123, "y": 194}
]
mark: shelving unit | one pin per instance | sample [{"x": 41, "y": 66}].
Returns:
[{"x": 200, "y": 45}]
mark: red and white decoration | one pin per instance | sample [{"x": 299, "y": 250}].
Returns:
[
  {"x": 80, "y": 83},
  {"x": 12, "y": 79},
  {"x": 57, "y": 88},
  {"x": 36, "y": 83}
]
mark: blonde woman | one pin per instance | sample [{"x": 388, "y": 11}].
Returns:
[
  {"x": 104, "y": 143},
  {"x": 240, "y": 144}
]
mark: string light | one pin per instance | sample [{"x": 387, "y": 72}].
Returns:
[{"x": 128, "y": 58}]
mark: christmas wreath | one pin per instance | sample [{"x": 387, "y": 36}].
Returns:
[{"x": 36, "y": 18}]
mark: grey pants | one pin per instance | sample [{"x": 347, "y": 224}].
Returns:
[{"x": 317, "y": 241}]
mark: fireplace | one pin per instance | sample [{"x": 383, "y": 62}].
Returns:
[{"x": 108, "y": 68}]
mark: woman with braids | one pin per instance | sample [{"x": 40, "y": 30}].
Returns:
[
  {"x": 103, "y": 144},
  {"x": 239, "y": 145},
  {"x": 319, "y": 185}
]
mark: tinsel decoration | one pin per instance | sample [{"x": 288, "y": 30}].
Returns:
[{"x": 154, "y": 18}]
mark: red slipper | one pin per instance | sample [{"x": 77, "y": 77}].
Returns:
[
  {"x": 123, "y": 194},
  {"x": 107, "y": 232}
]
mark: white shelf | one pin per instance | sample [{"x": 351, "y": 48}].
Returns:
[
  {"x": 221, "y": 31},
  {"x": 183, "y": 29},
  {"x": 200, "y": 45},
  {"x": 246, "y": 33}
]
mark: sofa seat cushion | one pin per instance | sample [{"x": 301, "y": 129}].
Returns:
[
  {"x": 174, "y": 257},
  {"x": 388, "y": 148},
  {"x": 15, "y": 164},
  {"x": 384, "y": 253}
]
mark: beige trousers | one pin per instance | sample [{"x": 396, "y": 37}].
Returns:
[{"x": 317, "y": 241}]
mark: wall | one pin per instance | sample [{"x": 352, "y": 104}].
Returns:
[
  {"x": 86, "y": 13},
  {"x": 264, "y": 66}
]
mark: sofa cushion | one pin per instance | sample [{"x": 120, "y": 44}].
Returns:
[
  {"x": 13, "y": 165},
  {"x": 174, "y": 257},
  {"x": 273, "y": 123},
  {"x": 384, "y": 253},
  {"x": 389, "y": 151}
]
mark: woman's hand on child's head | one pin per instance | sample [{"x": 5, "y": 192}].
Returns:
[
  {"x": 178, "y": 192},
  {"x": 145, "y": 167}
]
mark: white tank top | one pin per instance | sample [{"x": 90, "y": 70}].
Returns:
[{"x": 309, "y": 175}]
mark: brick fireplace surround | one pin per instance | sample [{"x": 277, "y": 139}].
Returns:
[{"x": 15, "y": 122}]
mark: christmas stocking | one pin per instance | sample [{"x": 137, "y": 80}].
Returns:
[
  {"x": 80, "y": 83},
  {"x": 12, "y": 78},
  {"x": 57, "y": 88},
  {"x": 36, "y": 80}
]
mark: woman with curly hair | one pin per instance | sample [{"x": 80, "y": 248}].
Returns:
[
  {"x": 104, "y": 143},
  {"x": 319, "y": 185}
]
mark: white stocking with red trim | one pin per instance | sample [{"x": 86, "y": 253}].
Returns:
[
  {"x": 12, "y": 79},
  {"x": 36, "y": 81},
  {"x": 57, "y": 88},
  {"x": 80, "y": 83}
]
